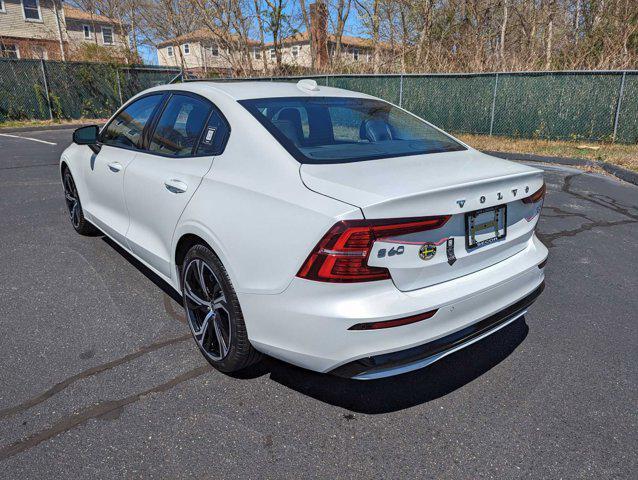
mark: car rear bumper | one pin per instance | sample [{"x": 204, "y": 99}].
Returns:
[
  {"x": 403, "y": 361},
  {"x": 307, "y": 324}
]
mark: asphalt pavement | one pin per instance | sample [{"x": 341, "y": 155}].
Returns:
[{"x": 100, "y": 378}]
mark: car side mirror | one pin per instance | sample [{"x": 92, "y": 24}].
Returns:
[{"x": 87, "y": 136}]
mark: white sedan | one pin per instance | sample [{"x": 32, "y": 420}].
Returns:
[{"x": 323, "y": 227}]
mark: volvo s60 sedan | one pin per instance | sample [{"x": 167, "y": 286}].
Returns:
[{"x": 324, "y": 227}]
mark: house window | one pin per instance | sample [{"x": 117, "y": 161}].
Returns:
[
  {"x": 213, "y": 50},
  {"x": 273, "y": 54},
  {"x": 9, "y": 50},
  {"x": 87, "y": 31},
  {"x": 187, "y": 49},
  {"x": 355, "y": 54},
  {"x": 2, "y": 9},
  {"x": 31, "y": 10},
  {"x": 256, "y": 53},
  {"x": 107, "y": 35},
  {"x": 295, "y": 51},
  {"x": 169, "y": 51}
]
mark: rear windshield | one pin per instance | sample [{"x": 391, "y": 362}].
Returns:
[{"x": 341, "y": 129}]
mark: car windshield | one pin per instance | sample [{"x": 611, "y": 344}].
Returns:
[{"x": 342, "y": 129}]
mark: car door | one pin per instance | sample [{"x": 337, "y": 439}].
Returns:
[
  {"x": 104, "y": 175},
  {"x": 161, "y": 180}
]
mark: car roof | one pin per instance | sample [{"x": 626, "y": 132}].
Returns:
[{"x": 242, "y": 90}]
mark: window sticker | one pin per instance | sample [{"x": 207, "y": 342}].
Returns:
[{"x": 210, "y": 135}]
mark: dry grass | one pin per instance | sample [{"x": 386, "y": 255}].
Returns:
[
  {"x": 618, "y": 154},
  {"x": 47, "y": 123}
]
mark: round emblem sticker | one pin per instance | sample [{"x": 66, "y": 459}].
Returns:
[{"x": 427, "y": 251}]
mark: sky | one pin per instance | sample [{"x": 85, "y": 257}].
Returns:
[{"x": 353, "y": 27}]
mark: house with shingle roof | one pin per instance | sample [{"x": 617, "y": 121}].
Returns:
[
  {"x": 295, "y": 50},
  {"x": 205, "y": 50},
  {"x": 51, "y": 30}
]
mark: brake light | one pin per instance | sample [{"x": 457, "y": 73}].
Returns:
[
  {"x": 342, "y": 254},
  {"x": 536, "y": 196}
]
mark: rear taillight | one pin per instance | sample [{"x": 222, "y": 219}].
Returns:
[
  {"x": 342, "y": 254},
  {"x": 536, "y": 196}
]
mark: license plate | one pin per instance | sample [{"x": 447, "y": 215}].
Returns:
[{"x": 485, "y": 226}]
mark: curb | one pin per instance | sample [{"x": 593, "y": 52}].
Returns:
[
  {"x": 618, "y": 172},
  {"x": 42, "y": 128}
]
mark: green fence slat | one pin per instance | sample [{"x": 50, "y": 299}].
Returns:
[
  {"x": 568, "y": 106},
  {"x": 548, "y": 105},
  {"x": 459, "y": 104},
  {"x": 628, "y": 115},
  {"x": 22, "y": 91},
  {"x": 386, "y": 87}
]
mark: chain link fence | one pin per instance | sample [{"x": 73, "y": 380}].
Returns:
[
  {"x": 49, "y": 90},
  {"x": 587, "y": 105},
  {"x": 596, "y": 105}
]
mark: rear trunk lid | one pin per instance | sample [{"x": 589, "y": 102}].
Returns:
[{"x": 453, "y": 183}]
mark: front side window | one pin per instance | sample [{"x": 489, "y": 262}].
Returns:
[
  {"x": 341, "y": 129},
  {"x": 125, "y": 130},
  {"x": 273, "y": 54},
  {"x": 31, "y": 9},
  {"x": 107, "y": 35},
  {"x": 257, "y": 53},
  {"x": 180, "y": 126},
  {"x": 295, "y": 51},
  {"x": 9, "y": 50},
  {"x": 213, "y": 50},
  {"x": 187, "y": 49},
  {"x": 169, "y": 51},
  {"x": 87, "y": 31}
]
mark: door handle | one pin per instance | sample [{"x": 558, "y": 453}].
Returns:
[
  {"x": 115, "y": 167},
  {"x": 175, "y": 186}
]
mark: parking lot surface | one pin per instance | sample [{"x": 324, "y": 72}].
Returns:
[{"x": 100, "y": 378}]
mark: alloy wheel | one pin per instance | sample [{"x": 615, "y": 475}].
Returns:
[
  {"x": 207, "y": 309},
  {"x": 72, "y": 200}
]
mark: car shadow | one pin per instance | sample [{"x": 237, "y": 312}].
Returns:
[
  {"x": 401, "y": 391},
  {"x": 147, "y": 272},
  {"x": 383, "y": 395}
]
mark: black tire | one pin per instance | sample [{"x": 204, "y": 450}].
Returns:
[
  {"x": 225, "y": 318},
  {"x": 74, "y": 206}
]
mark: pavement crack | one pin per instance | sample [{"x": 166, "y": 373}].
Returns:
[
  {"x": 58, "y": 387},
  {"x": 561, "y": 213},
  {"x": 603, "y": 201},
  {"x": 548, "y": 238},
  {"x": 99, "y": 410}
]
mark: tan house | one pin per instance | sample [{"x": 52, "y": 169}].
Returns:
[
  {"x": 49, "y": 30},
  {"x": 295, "y": 50},
  {"x": 83, "y": 27},
  {"x": 204, "y": 51}
]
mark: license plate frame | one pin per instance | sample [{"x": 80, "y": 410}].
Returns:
[{"x": 498, "y": 224}]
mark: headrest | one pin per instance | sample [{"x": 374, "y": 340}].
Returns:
[
  {"x": 288, "y": 120},
  {"x": 375, "y": 131}
]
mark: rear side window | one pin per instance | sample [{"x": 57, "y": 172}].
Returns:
[
  {"x": 180, "y": 126},
  {"x": 342, "y": 129},
  {"x": 125, "y": 130},
  {"x": 215, "y": 135}
]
